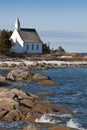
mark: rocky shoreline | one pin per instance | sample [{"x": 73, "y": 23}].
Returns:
[
  {"x": 21, "y": 75},
  {"x": 16, "y": 105},
  {"x": 41, "y": 65}
]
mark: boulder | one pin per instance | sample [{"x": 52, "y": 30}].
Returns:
[
  {"x": 8, "y": 103},
  {"x": 38, "y": 77},
  {"x": 14, "y": 115},
  {"x": 21, "y": 65},
  {"x": 2, "y": 79},
  {"x": 19, "y": 75},
  {"x": 46, "y": 82},
  {"x": 11, "y": 65},
  {"x": 3, "y": 65},
  {"x": 58, "y": 128},
  {"x": 42, "y": 108},
  {"x": 31, "y": 117},
  {"x": 2, "y": 113},
  {"x": 12, "y": 75},
  {"x": 27, "y": 102},
  {"x": 16, "y": 105},
  {"x": 31, "y": 127}
]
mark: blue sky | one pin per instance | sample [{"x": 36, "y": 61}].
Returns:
[{"x": 60, "y": 22}]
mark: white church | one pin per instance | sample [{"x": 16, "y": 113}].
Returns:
[{"x": 25, "y": 40}]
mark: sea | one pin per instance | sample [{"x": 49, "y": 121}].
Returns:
[{"x": 70, "y": 93}]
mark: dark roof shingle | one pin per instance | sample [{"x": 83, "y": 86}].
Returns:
[{"x": 29, "y": 35}]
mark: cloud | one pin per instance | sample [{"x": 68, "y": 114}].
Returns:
[{"x": 63, "y": 34}]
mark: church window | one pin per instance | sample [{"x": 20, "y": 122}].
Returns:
[
  {"x": 37, "y": 47},
  {"x": 27, "y": 46},
  {"x": 32, "y": 47}
]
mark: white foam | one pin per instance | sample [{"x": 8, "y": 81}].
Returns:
[
  {"x": 47, "y": 118},
  {"x": 60, "y": 115},
  {"x": 66, "y": 115},
  {"x": 74, "y": 124}
]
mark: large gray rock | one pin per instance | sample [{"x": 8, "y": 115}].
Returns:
[
  {"x": 16, "y": 105},
  {"x": 19, "y": 75},
  {"x": 31, "y": 127},
  {"x": 37, "y": 77},
  {"x": 2, "y": 79}
]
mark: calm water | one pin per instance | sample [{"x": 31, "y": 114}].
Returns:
[{"x": 70, "y": 92}]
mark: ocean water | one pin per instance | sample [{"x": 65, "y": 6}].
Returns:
[{"x": 70, "y": 92}]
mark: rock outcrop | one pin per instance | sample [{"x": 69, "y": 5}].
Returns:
[
  {"x": 58, "y": 128},
  {"x": 31, "y": 127},
  {"x": 2, "y": 79},
  {"x": 16, "y": 105},
  {"x": 19, "y": 75},
  {"x": 47, "y": 127}
]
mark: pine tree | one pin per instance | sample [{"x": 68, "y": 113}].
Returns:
[
  {"x": 5, "y": 43},
  {"x": 46, "y": 48}
]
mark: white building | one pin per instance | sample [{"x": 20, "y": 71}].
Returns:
[{"x": 25, "y": 40}]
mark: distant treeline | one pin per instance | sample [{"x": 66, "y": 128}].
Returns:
[{"x": 5, "y": 43}]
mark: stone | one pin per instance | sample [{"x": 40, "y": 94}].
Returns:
[
  {"x": 38, "y": 77},
  {"x": 24, "y": 76},
  {"x": 2, "y": 79},
  {"x": 19, "y": 93},
  {"x": 2, "y": 113},
  {"x": 27, "y": 102},
  {"x": 42, "y": 108},
  {"x": 14, "y": 115},
  {"x": 58, "y": 128},
  {"x": 8, "y": 104},
  {"x": 16, "y": 105},
  {"x": 46, "y": 82},
  {"x": 32, "y": 116},
  {"x": 19, "y": 75},
  {"x": 12, "y": 65},
  {"x": 4, "y": 65},
  {"x": 12, "y": 75},
  {"x": 31, "y": 127}
]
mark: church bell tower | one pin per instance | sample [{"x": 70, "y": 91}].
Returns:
[{"x": 17, "y": 25}]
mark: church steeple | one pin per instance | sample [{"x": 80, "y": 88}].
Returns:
[{"x": 17, "y": 24}]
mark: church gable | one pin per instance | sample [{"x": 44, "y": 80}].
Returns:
[
  {"x": 25, "y": 39},
  {"x": 15, "y": 37}
]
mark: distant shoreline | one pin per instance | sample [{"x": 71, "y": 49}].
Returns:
[
  {"x": 40, "y": 65},
  {"x": 58, "y": 59}
]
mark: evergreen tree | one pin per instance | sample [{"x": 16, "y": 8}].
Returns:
[
  {"x": 5, "y": 43},
  {"x": 46, "y": 48},
  {"x": 60, "y": 49}
]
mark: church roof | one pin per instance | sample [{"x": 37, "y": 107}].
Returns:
[{"x": 29, "y": 35}]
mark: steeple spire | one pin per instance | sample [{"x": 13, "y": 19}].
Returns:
[{"x": 17, "y": 24}]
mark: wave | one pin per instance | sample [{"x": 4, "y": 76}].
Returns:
[
  {"x": 52, "y": 118},
  {"x": 72, "y": 123},
  {"x": 47, "y": 118},
  {"x": 59, "y": 120}
]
